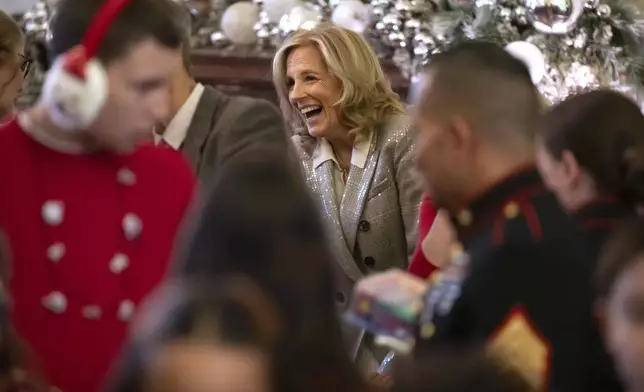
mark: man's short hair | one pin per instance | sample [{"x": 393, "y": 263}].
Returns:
[
  {"x": 486, "y": 85},
  {"x": 138, "y": 21},
  {"x": 183, "y": 20}
]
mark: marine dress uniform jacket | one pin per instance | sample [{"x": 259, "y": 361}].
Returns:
[
  {"x": 597, "y": 220},
  {"x": 522, "y": 285},
  {"x": 87, "y": 236}
]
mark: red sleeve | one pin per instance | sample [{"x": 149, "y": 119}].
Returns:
[{"x": 419, "y": 265}]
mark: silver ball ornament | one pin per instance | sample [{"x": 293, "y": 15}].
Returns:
[
  {"x": 397, "y": 39},
  {"x": 591, "y": 4},
  {"x": 554, "y": 16},
  {"x": 378, "y": 12},
  {"x": 505, "y": 14},
  {"x": 392, "y": 21},
  {"x": 404, "y": 8},
  {"x": 411, "y": 26},
  {"x": 521, "y": 15},
  {"x": 604, "y": 10},
  {"x": 219, "y": 40},
  {"x": 381, "y": 27}
]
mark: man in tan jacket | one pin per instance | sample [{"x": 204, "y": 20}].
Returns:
[{"x": 211, "y": 127}]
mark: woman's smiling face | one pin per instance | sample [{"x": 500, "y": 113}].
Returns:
[{"x": 313, "y": 91}]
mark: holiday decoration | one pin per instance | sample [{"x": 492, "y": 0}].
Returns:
[
  {"x": 305, "y": 16},
  {"x": 568, "y": 45},
  {"x": 276, "y": 9},
  {"x": 238, "y": 22},
  {"x": 35, "y": 24},
  {"x": 35, "y": 21},
  {"x": 352, "y": 14}
]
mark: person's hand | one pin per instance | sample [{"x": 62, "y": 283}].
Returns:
[
  {"x": 381, "y": 381},
  {"x": 437, "y": 245}
]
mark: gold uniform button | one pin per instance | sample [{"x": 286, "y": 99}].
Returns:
[
  {"x": 464, "y": 218},
  {"x": 427, "y": 330},
  {"x": 511, "y": 210}
]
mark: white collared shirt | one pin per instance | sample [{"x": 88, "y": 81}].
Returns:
[
  {"x": 176, "y": 131},
  {"x": 324, "y": 152}
]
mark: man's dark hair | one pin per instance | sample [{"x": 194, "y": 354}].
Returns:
[
  {"x": 487, "y": 86},
  {"x": 138, "y": 21},
  {"x": 183, "y": 19}
]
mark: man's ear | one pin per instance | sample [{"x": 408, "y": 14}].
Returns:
[{"x": 460, "y": 133}]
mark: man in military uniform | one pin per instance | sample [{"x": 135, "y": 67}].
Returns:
[{"x": 520, "y": 284}]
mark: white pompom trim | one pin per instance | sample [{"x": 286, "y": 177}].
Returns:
[{"x": 75, "y": 104}]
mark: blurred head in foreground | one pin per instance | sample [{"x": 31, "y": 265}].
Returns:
[
  {"x": 260, "y": 221},
  {"x": 621, "y": 301},
  {"x": 458, "y": 369},
  {"x": 190, "y": 337}
]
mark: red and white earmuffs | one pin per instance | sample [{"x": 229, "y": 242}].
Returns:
[{"x": 76, "y": 86}]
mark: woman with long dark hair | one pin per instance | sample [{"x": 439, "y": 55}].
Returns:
[
  {"x": 260, "y": 221},
  {"x": 590, "y": 152}
]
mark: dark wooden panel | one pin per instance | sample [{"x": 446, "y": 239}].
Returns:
[{"x": 246, "y": 72}]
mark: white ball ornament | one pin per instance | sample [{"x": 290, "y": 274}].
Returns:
[
  {"x": 238, "y": 22},
  {"x": 531, "y": 56},
  {"x": 275, "y": 9},
  {"x": 352, "y": 15},
  {"x": 305, "y": 17}
]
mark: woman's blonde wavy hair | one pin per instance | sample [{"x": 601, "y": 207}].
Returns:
[{"x": 367, "y": 97}]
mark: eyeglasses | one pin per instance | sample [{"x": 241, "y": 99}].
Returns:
[{"x": 25, "y": 63}]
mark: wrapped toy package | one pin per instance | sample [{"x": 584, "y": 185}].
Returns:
[{"x": 388, "y": 305}]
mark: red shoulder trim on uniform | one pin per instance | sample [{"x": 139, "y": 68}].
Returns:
[
  {"x": 524, "y": 345},
  {"x": 532, "y": 218},
  {"x": 523, "y": 199},
  {"x": 599, "y": 200},
  {"x": 595, "y": 223},
  {"x": 498, "y": 231}
]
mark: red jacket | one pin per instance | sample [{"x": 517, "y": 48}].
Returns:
[
  {"x": 419, "y": 265},
  {"x": 89, "y": 235}
]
